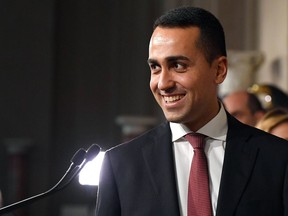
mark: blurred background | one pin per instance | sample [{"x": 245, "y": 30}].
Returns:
[{"x": 73, "y": 73}]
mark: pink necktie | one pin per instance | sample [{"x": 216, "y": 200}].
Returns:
[{"x": 199, "y": 202}]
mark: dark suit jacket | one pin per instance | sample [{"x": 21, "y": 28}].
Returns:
[{"x": 138, "y": 178}]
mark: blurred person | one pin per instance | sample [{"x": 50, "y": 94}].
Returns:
[
  {"x": 270, "y": 96},
  {"x": 275, "y": 121},
  {"x": 244, "y": 106},
  {"x": 150, "y": 175}
]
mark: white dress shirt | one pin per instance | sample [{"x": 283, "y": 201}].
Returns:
[{"x": 216, "y": 131}]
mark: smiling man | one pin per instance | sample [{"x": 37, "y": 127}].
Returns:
[
  {"x": 183, "y": 79},
  {"x": 157, "y": 174}
]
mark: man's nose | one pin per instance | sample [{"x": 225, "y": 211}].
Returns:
[{"x": 165, "y": 80}]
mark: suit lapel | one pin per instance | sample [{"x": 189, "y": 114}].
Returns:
[
  {"x": 238, "y": 164},
  {"x": 159, "y": 159}
]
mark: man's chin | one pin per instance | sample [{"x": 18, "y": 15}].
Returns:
[{"x": 174, "y": 119}]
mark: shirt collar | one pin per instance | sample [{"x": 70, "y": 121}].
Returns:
[{"x": 216, "y": 128}]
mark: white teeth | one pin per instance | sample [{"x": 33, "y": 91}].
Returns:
[{"x": 170, "y": 99}]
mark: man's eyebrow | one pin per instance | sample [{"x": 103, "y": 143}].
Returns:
[
  {"x": 151, "y": 61},
  {"x": 169, "y": 59},
  {"x": 175, "y": 58}
]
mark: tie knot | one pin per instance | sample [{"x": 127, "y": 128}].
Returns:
[{"x": 196, "y": 140}]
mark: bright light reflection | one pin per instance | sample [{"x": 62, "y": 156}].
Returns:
[
  {"x": 268, "y": 98},
  {"x": 89, "y": 175}
]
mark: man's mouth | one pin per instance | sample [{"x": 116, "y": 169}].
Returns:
[{"x": 171, "y": 99}]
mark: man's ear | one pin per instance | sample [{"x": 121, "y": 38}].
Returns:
[{"x": 221, "y": 69}]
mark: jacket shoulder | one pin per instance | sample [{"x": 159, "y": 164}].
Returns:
[{"x": 144, "y": 139}]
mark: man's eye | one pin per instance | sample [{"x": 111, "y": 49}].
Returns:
[
  {"x": 179, "y": 67},
  {"x": 154, "y": 67}
]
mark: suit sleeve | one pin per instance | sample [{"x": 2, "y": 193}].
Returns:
[
  {"x": 108, "y": 203},
  {"x": 285, "y": 192}
]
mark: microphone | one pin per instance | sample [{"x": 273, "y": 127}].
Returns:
[
  {"x": 90, "y": 154},
  {"x": 78, "y": 161}
]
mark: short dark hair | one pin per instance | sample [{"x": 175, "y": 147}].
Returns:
[
  {"x": 212, "y": 37},
  {"x": 254, "y": 103}
]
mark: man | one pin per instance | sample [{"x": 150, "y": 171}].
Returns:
[
  {"x": 248, "y": 169},
  {"x": 244, "y": 106}
]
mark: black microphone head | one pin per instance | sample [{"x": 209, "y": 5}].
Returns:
[
  {"x": 78, "y": 157},
  {"x": 92, "y": 152}
]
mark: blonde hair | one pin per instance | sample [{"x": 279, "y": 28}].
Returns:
[{"x": 272, "y": 119}]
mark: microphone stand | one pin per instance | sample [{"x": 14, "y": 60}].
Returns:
[{"x": 78, "y": 161}]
